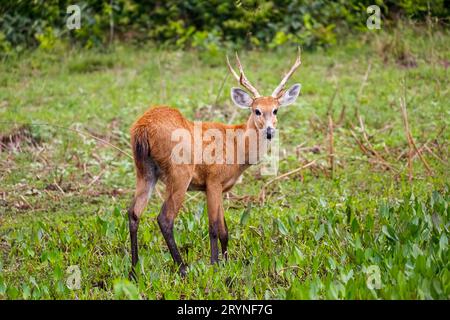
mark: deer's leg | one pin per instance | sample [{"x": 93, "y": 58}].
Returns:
[
  {"x": 144, "y": 187},
  {"x": 214, "y": 202},
  {"x": 176, "y": 191},
  {"x": 223, "y": 233}
]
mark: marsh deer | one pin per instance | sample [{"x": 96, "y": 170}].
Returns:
[{"x": 153, "y": 144}]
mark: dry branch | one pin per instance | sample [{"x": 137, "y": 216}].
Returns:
[
  {"x": 366, "y": 77},
  {"x": 360, "y": 144},
  {"x": 341, "y": 115},
  {"x": 331, "y": 145},
  {"x": 330, "y": 104},
  {"x": 371, "y": 148},
  {"x": 435, "y": 155},
  {"x": 262, "y": 192},
  {"x": 411, "y": 143}
]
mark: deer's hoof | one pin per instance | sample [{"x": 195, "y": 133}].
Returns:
[
  {"x": 183, "y": 270},
  {"x": 132, "y": 275}
]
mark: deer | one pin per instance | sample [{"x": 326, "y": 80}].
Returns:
[{"x": 152, "y": 144}]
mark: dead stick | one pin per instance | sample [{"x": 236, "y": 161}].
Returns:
[
  {"x": 364, "y": 82},
  {"x": 97, "y": 177},
  {"x": 435, "y": 155},
  {"x": 25, "y": 200},
  {"x": 410, "y": 147},
  {"x": 372, "y": 149},
  {"x": 285, "y": 175},
  {"x": 158, "y": 193},
  {"x": 359, "y": 143},
  {"x": 331, "y": 144},
  {"x": 221, "y": 89},
  {"x": 341, "y": 115},
  {"x": 330, "y": 105},
  {"x": 411, "y": 143},
  {"x": 58, "y": 186},
  {"x": 361, "y": 88},
  {"x": 425, "y": 145},
  {"x": 425, "y": 163}
]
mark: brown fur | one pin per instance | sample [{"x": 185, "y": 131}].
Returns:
[
  {"x": 152, "y": 146},
  {"x": 152, "y": 132}
]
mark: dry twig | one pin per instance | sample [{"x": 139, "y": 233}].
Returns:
[
  {"x": 331, "y": 144},
  {"x": 411, "y": 143},
  {"x": 262, "y": 192}
]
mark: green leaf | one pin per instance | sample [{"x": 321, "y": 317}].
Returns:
[
  {"x": 384, "y": 210},
  {"x": 297, "y": 291},
  {"x": 124, "y": 289},
  {"x": 26, "y": 291},
  {"x": 117, "y": 212},
  {"x": 389, "y": 232},
  {"x": 443, "y": 242},
  {"x": 33, "y": 282},
  {"x": 348, "y": 211},
  {"x": 12, "y": 293},
  {"x": 246, "y": 214},
  {"x": 282, "y": 227},
  {"x": 346, "y": 277},
  {"x": 2, "y": 286},
  {"x": 319, "y": 234},
  {"x": 331, "y": 263},
  {"x": 437, "y": 287},
  {"x": 355, "y": 225},
  {"x": 298, "y": 255}
]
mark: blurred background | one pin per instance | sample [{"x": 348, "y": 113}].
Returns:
[{"x": 205, "y": 25}]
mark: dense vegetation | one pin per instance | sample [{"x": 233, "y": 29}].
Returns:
[
  {"x": 204, "y": 24},
  {"x": 369, "y": 219}
]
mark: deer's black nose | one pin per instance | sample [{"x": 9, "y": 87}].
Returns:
[{"x": 270, "y": 132}]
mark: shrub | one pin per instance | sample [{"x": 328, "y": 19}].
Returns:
[{"x": 198, "y": 23}]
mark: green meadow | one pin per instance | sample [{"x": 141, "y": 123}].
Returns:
[{"x": 367, "y": 219}]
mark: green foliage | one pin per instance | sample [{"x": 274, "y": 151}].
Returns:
[
  {"x": 323, "y": 258},
  {"x": 125, "y": 289},
  {"x": 206, "y": 25},
  {"x": 63, "y": 203}
]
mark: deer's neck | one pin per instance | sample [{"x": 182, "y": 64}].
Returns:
[{"x": 253, "y": 143}]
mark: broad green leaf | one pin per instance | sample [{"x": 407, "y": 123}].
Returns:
[
  {"x": 443, "y": 242},
  {"x": 389, "y": 232},
  {"x": 124, "y": 289},
  {"x": 246, "y": 215},
  {"x": 319, "y": 234}
]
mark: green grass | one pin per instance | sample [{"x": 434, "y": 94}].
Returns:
[{"x": 317, "y": 236}]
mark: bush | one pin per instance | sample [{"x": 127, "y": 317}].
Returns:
[{"x": 196, "y": 23}]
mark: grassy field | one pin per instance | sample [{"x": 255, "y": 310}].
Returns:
[{"x": 363, "y": 225}]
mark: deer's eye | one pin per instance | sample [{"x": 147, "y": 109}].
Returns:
[
  {"x": 275, "y": 111},
  {"x": 257, "y": 112}
]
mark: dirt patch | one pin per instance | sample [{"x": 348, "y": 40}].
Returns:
[
  {"x": 18, "y": 138},
  {"x": 108, "y": 192},
  {"x": 406, "y": 60},
  {"x": 5, "y": 248},
  {"x": 395, "y": 49},
  {"x": 445, "y": 63}
]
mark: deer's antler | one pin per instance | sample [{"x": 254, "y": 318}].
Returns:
[
  {"x": 242, "y": 79},
  {"x": 280, "y": 87}
]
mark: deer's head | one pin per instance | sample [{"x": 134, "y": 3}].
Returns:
[{"x": 264, "y": 109}]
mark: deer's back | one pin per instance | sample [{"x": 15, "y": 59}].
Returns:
[{"x": 157, "y": 125}]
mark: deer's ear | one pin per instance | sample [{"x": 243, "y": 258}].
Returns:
[
  {"x": 241, "y": 98},
  {"x": 290, "y": 95}
]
